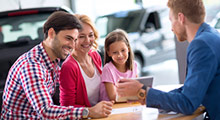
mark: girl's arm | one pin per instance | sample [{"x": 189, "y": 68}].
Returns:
[{"x": 111, "y": 91}]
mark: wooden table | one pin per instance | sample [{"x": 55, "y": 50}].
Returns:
[{"x": 134, "y": 112}]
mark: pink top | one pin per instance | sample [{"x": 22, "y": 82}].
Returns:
[
  {"x": 72, "y": 85},
  {"x": 111, "y": 74}
]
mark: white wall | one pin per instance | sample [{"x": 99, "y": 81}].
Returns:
[
  {"x": 93, "y": 8},
  {"x": 14, "y": 4}
]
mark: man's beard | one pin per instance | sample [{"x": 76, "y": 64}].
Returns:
[
  {"x": 56, "y": 48},
  {"x": 181, "y": 37}
]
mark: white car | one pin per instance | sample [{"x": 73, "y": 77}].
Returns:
[{"x": 216, "y": 22}]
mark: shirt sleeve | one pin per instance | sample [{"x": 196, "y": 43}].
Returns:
[
  {"x": 107, "y": 75},
  {"x": 201, "y": 63},
  {"x": 33, "y": 80},
  {"x": 135, "y": 69}
]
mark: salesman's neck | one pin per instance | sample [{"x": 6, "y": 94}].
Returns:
[{"x": 191, "y": 30}]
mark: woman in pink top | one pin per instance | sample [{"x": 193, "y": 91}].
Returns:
[
  {"x": 119, "y": 62},
  {"x": 80, "y": 73}
]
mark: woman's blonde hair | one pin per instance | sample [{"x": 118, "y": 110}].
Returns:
[
  {"x": 86, "y": 20},
  {"x": 114, "y": 36}
]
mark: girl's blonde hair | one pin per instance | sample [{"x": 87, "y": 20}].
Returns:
[
  {"x": 85, "y": 19},
  {"x": 114, "y": 36}
]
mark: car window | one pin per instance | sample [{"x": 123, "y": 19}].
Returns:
[
  {"x": 152, "y": 22},
  {"x": 18, "y": 27},
  {"x": 126, "y": 20},
  {"x": 101, "y": 25},
  {"x": 217, "y": 25}
]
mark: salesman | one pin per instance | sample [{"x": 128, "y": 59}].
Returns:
[{"x": 202, "y": 81}]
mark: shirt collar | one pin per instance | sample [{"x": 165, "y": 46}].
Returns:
[
  {"x": 202, "y": 27},
  {"x": 46, "y": 59}
]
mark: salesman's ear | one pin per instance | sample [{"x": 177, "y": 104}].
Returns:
[{"x": 181, "y": 18}]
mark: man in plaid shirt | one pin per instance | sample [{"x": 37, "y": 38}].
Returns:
[{"x": 32, "y": 79}]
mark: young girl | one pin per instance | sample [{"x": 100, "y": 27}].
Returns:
[{"x": 118, "y": 62}]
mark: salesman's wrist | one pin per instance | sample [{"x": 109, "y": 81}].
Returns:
[{"x": 142, "y": 93}]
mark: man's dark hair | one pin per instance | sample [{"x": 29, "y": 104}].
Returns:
[{"x": 61, "y": 20}]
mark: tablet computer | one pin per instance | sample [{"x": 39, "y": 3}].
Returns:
[{"x": 146, "y": 80}]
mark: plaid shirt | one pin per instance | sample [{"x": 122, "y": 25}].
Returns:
[{"x": 29, "y": 88}]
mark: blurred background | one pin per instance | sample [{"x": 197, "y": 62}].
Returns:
[
  {"x": 96, "y": 8},
  {"x": 156, "y": 51}
]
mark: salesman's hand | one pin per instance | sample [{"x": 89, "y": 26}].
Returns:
[
  {"x": 128, "y": 87},
  {"x": 100, "y": 110}
]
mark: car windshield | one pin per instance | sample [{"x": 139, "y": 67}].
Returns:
[
  {"x": 14, "y": 28},
  {"x": 127, "y": 20},
  {"x": 217, "y": 25}
]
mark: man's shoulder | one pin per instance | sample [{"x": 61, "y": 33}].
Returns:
[
  {"x": 32, "y": 57},
  {"x": 207, "y": 32},
  {"x": 35, "y": 55},
  {"x": 208, "y": 37}
]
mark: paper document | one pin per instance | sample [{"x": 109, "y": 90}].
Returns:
[{"x": 127, "y": 109}]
